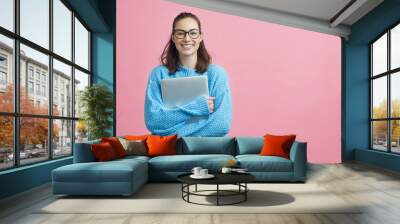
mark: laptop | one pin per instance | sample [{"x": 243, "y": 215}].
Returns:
[{"x": 180, "y": 91}]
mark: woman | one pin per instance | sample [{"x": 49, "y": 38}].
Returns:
[{"x": 185, "y": 55}]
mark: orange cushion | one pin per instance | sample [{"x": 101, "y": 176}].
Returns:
[
  {"x": 277, "y": 145},
  {"x": 161, "y": 145},
  {"x": 136, "y": 137},
  {"x": 116, "y": 145},
  {"x": 103, "y": 151}
]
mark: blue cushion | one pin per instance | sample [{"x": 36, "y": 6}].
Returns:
[
  {"x": 207, "y": 145},
  {"x": 257, "y": 163},
  {"x": 184, "y": 163},
  {"x": 249, "y": 145}
]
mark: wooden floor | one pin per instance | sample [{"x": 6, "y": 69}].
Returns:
[{"x": 377, "y": 188}]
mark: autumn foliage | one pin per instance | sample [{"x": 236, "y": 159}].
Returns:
[
  {"x": 33, "y": 131},
  {"x": 380, "y": 127}
]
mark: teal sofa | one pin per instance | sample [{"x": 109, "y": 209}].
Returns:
[{"x": 125, "y": 176}]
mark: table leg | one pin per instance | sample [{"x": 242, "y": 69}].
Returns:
[
  {"x": 245, "y": 193},
  {"x": 217, "y": 194},
  {"x": 188, "y": 189},
  {"x": 196, "y": 188}
]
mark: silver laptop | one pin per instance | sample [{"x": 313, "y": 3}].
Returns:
[{"x": 180, "y": 91}]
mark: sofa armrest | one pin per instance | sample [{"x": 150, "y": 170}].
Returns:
[
  {"x": 83, "y": 152},
  {"x": 298, "y": 155}
]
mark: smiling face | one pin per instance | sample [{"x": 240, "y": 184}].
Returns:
[{"x": 187, "y": 44}]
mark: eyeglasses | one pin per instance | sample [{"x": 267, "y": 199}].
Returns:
[{"x": 181, "y": 34}]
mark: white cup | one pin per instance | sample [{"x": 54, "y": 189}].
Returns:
[
  {"x": 196, "y": 170},
  {"x": 226, "y": 170},
  {"x": 203, "y": 172}
]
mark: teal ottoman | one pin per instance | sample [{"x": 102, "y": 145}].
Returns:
[{"x": 118, "y": 177}]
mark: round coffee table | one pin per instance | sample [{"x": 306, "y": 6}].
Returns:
[{"x": 238, "y": 179}]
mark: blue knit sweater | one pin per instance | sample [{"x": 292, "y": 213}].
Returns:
[{"x": 181, "y": 120}]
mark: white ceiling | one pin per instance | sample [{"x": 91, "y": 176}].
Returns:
[{"x": 324, "y": 16}]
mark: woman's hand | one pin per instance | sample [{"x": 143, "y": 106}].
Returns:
[{"x": 211, "y": 104}]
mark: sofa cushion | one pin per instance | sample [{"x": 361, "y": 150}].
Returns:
[
  {"x": 207, "y": 145},
  {"x": 185, "y": 163},
  {"x": 249, "y": 145},
  {"x": 277, "y": 145},
  {"x": 103, "y": 152},
  {"x": 161, "y": 145},
  {"x": 134, "y": 147},
  {"x": 116, "y": 144},
  {"x": 257, "y": 163}
]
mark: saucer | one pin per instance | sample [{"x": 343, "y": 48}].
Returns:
[{"x": 208, "y": 176}]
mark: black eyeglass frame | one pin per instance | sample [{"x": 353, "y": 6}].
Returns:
[{"x": 186, "y": 33}]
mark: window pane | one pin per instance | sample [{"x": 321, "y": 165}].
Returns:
[
  {"x": 6, "y": 74},
  {"x": 379, "y": 97},
  {"x": 6, "y": 142},
  {"x": 35, "y": 21},
  {"x": 62, "y": 138},
  {"x": 62, "y": 89},
  {"x": 81, "y": 131},
  {"x": 395, "y": 47},
  {"x": 81, "y": 45},
  {"x": 379, "y": 55},
  {"x": 62, "y": 29},
  {"x": 7, "y": 14},
  {"x": 395, "y": 136},
  {"x": 34, "y": 78},
  {"x": 33, "y": 139},
  {"x": 395, "y": 94},
  {"x": 81, "y": 81},
  {"x": 379, "y": 135}
]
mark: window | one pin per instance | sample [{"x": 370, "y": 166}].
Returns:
[
  {"x": 385, "y": 91},
  {"x": 34, "y": 21},
  {"x": 44, "y": 91},
  {"x": 38, "y": 74},
  {"x": 55, "y": 126},
  {"x": 38, "y": 89},
  {"x": 3, "y": 72},
  {"x": 7, "y": 71},
  {"x": 3, "y": 61},
  {"x": 62, "y": 29},
  {"x": 3, "y": 78},
  {"x": 30, "y": 87},
  {"x": 81, "y": 45},
  {"x": 30, "y": 72},
  {"x": 7, "y": 14}
]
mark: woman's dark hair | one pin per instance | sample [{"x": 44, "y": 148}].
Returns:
[{"x": 170, "y": 56}]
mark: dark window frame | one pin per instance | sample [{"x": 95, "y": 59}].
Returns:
[
  {"x": 16, "y": 114},
  {"x": 388, "y": 74}
]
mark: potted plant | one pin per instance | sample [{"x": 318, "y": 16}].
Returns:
[{"x": 97, "y": 105}]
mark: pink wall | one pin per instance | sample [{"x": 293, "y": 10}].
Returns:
[{"x": 283, "y": 80}]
